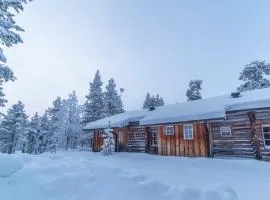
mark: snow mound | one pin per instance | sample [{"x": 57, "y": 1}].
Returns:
[{"x": 9, "y": 164}]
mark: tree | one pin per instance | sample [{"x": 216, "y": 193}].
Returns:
[
  {"x": 254, "y": 76},
  {"x": 112, "y": 100},
  {"x": 108, "y": 142},
  {"x": 147, "y": 102},
  {"x": 158, "y": 101},
  {"x": 57, "y": 124},
  {"x": 94, "y": 106},
  {"x": 13, "y": 128},
  {"x": 9, "y": 36},
  {"x": 152, "y": 101},
  {"x": 33, "y": 135},
  {"x": 44, "y": 139},
  {"x": 73, "y": 127},
  {"x": 193, "y": 93}
]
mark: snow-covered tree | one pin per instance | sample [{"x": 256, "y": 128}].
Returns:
[
  {"x": 254, "y": 76},
  {"x": 9, "y": 36},
  {"x": 158, "y": 101},
  {"x": 57, "y": 124},
  {"x": 108, "y": 142},
  {"x": 13, "y": 128},
  {"x": 112, "y": 100},
  {"x": 193, "y": 93},
  {"x": 147, "y": 102},
  {"x": 152, "y": 101},
  {"x": 45, "y": 135},
  {"x": 33, "y": 135},
  {"x": 94, "y": 106},
  {"x": 73, "y": 127}
]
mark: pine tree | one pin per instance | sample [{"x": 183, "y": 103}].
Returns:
[
  {"x": 152, "y": 101},
  {"x": 9, "y": 36},
  {"x": 108, "y": 142},
  {"x": 13, "y": 127},
  {"x": 112, "y": 100},
  {"x": 94, "y": 106},
  {"x": 254, "y": 76},
  {"x": 33, "y": 135},
  {"x": 193, "y": 93}
]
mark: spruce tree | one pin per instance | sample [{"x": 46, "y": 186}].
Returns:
[
  {"x": 73, "y": 127},
  {"x": 153, "y": 101},
  {"x": 94, "y": 106},
  {"x": 158, "y": 101},
  {"x": 9, "y": 36},
  {"x": 13, "y": 127},
  {"x": 193, "y": 93},
  {"x": 108, "y": 142},
  {"x": 254, "y": 76},
  {"x": 57, "y": 124},
  {"x": 112, "y": 100},
  {"x": 33, "y": 135},
  {"x": 44, "y": 136}
]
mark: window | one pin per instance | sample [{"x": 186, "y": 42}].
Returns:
[
  {"x": 169, "y": 130},
  {"x": 225, "y": 131},
  {"x": 154, "y": 136},
  {"x": 266, "y": 135},
  {"x": 188, "y": 132}
]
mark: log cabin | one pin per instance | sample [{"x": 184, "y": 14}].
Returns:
[{"x": 234, "y": 125}]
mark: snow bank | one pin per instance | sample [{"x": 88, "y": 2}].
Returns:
[
  {"x": 80, "y": 175},
  {"x": 9, "y": 164}
]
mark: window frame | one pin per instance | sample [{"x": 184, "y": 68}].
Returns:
[
  {"x": 169, "y": 127},
  {"x": 263, "y": 126},
  {"x": 192, "y": 131},
  {"x": 221, "y": 133},
  {"x": 154, "y": 134}
]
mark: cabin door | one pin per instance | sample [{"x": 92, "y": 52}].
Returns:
[{"x": 148, "y": 140}]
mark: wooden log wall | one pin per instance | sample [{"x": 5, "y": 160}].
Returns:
[
  {"x": 176, "y": 145},
  {"x": 241, "y": 142},
  {"x": 120, "y": 136},
  {"x": 262, "y": 118},
  {"x": 97, "y": 141}
]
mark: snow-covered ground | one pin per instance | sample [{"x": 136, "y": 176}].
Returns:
[{"x": 86, "y": 175}]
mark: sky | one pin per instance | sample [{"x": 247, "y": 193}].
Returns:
[{"x": 155, "y": 45}]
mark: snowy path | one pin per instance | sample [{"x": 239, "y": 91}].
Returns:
[{"x": 81, "y": 176}]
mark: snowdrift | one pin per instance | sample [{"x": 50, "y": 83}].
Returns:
[
  {"x": 9, "y": 164},
  {"x": 84, "y": 175}
]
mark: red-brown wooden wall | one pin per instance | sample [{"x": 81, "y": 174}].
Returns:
[{"x": 175, "y": 145}]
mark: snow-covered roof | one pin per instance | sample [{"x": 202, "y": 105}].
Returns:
[
  {"x": 208, "y": 108},
  {"x": 118, "y": 120}
]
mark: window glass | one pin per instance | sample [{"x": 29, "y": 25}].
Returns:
[
  {"x": 188, "y": 132},
  {"x": 225, "y": 131},
  {"x": 154, "y": 137},
  {"x": 266, "y": 135}
]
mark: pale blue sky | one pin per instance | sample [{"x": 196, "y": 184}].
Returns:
[{"x": 153, "y": 45}]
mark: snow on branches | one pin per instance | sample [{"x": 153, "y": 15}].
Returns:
[
  {"x": 108, "y": 142},
  {"x": 9, "y": 36}
]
